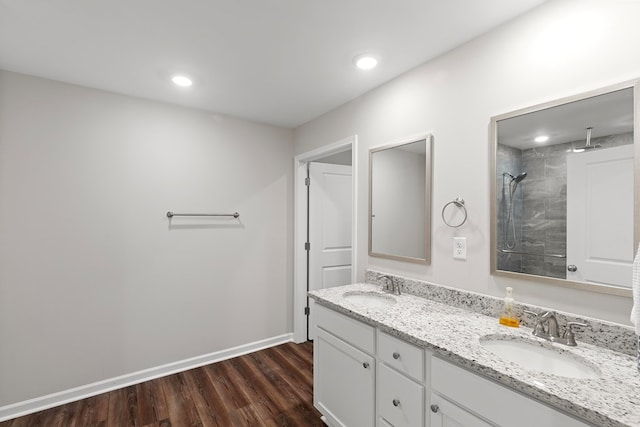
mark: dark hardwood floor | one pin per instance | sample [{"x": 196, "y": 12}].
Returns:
[{"x": 272, "y": 387}]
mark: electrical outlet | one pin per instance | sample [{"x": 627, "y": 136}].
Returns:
[{"x": 460, "y": 248}]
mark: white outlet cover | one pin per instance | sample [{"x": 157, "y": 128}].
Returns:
[{"x": 460, "y": 248}]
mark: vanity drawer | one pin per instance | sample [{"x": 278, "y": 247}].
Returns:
[
  {"x": 356, "y": 333},
  {"x": 405, "y": 357},
  {"x": 400, "y": 399}
]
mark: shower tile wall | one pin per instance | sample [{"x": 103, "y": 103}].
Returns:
[
  {"x": 544, "y": 210},
  {"x": 542, "y": 217},
  {"x": 509, "y": 160}
]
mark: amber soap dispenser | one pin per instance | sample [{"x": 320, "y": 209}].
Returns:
[{"x": 508, "y": 316}]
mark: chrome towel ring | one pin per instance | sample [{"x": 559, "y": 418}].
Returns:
[{"x": 458, "y": 202}]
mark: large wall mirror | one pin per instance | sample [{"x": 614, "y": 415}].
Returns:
[
  {"x": 399, "y": 201},
  {"x": 565, "y": 179}
]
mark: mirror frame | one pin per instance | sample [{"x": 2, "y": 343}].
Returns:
[
  {"x": 427, "y": 198},
  {"x": 493, "y": 145}
]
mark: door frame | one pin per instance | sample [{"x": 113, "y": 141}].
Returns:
[{"x": 300, "y": 226}]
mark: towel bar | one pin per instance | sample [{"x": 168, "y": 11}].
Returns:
[{"x": 172, "y": 214}]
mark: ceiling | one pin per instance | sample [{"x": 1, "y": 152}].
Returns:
[
  {"x": 608, "y": 114},
  {"x": 282, "y": 62}
]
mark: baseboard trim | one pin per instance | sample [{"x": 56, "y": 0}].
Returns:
[{"x": 30, "y": 406}]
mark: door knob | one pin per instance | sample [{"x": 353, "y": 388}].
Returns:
[
  {"x": 572, "y": 268},
  {"x": 435, "y": 408},
  {"x": 396, "y": 355},
  {"x": 396, "y": 402},
  {"x": 365, "y": 365}
]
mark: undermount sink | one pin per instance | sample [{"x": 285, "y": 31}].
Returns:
[
  {"x": 369, "y": 299},
  {"x": 541, "y": 357}
]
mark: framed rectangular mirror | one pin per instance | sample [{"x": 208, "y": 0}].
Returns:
[
  {"x": 400, "y": 201},
  {"x": 564, "y": 191}
]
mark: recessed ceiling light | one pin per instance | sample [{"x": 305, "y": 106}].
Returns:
[
  {"x": 541, "y": 138},
  {"x": 182, "y": 81},
  {"x": 366, "y": 62}
]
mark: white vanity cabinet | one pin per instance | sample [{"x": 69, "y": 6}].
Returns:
[
  {"x": 358, "y": 383},
  {"x": 344, "y": 369},
  {"x": 462, "y": 398},
  {"x": 364, "y": 377}
]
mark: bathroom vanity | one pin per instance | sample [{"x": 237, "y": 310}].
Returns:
[{"x": 416, "y": 362}]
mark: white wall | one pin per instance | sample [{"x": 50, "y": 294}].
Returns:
[
  {"x": 94, "y": 283},
  {"x": 559, "y": 49},
  {"x": 398, "y": 225}
]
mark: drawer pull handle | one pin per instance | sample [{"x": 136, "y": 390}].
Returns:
[
  {"x": 365, "y": 365},
  {"x": 396, "y": 402},
  {"x": 396, "y": 355},
  {"x": 434, "y": 408}
]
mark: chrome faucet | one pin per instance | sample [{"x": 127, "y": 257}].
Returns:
[
  {"x": 551, "y": 332},
  {"x": 552, "y": 324},
  {"x": 391, "y": 285}
]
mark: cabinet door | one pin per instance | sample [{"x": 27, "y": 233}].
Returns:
[
  {"x": 343, "y": 382},
  {"x": 493, "y": 401},
  {"x": 446, "y": 414}
]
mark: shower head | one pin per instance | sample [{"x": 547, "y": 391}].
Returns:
[
  {"x": 520, "y": 177},
  {"x": 588, "y": 145},
  {"x": 515, "y": 179}
]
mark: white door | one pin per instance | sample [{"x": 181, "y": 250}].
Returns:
[
  {"x": 600, "y": 215},
  {"x": 330, "y": 199}
]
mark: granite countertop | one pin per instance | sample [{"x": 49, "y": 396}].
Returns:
[{"x": 613, "y": 399}]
